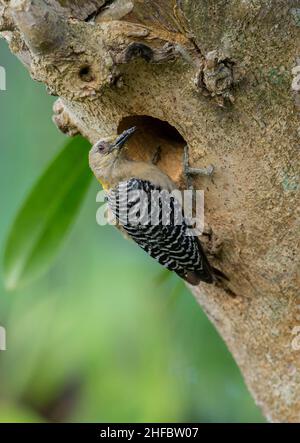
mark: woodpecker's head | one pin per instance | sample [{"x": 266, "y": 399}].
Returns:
[
  {"x": 105, "y": 151},
  {"x": 111, "y": 144}
]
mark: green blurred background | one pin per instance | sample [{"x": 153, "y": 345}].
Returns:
[{"x": 99, "y": 338}]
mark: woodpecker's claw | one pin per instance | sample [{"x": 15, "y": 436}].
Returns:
[
  {"x": 195, "y": 171},
  {"x": 156, "y": 156},
  {"x": 189, "y": 172}
]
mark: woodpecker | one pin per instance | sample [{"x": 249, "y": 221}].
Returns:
[{"x": 170, "y": 244}]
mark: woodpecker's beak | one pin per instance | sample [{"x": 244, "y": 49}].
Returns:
[{"x": 120, "y": 141}]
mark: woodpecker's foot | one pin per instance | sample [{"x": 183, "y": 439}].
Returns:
[
  {"x": 190, "y": 172},
  {"x": 212, "y": 244},
  {"x": 156, "y": 156},
  {"x": 195, "y": 171}
]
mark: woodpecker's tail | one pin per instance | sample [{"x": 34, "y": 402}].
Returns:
[
  {"x": 219, "y": 275},
  {"x": 194, "y": 278}
]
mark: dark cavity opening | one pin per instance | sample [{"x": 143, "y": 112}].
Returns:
[
  {"x": 152, "y": 135},
  {"x": 85, "y": 74}
]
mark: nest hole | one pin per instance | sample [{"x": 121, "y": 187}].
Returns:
[{"x": 153, "y": 134}]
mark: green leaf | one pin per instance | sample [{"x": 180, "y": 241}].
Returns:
[{"x": 47, "y": 214}]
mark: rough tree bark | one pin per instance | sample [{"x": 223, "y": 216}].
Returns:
[{"x": 226, "y": 76}]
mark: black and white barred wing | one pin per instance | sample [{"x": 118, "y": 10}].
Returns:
[{"x": 153, "y": 218}]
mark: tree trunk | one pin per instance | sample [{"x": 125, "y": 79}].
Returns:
[{"x": 223, "y": 77}]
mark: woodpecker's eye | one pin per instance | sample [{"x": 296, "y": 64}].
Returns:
[{"x": 101, "y": 147}]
